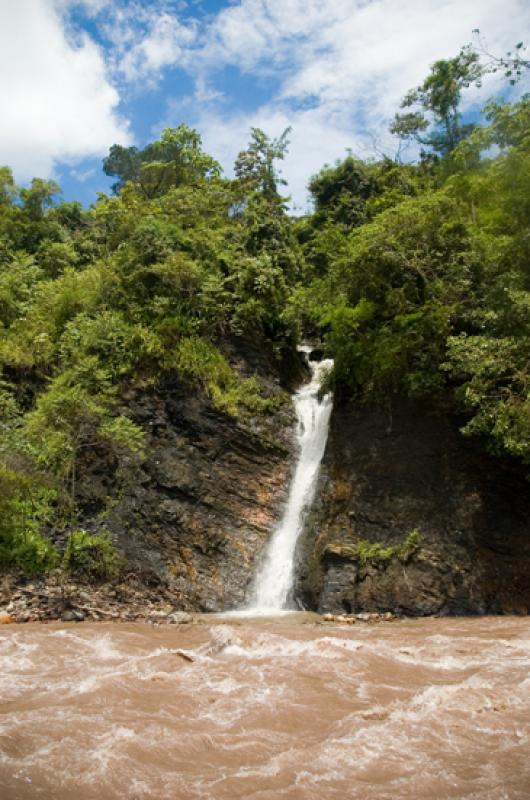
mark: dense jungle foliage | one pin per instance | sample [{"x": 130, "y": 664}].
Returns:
[{"x": 416, "y": 276}]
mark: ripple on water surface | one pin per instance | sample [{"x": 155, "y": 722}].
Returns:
[{"x": 263, "y": 710}]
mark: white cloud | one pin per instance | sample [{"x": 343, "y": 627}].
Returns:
[
  {"x": 165, "y": 44},
  {"x": 342, "y": 66},
  {"x": 57, "y": 102},
  {"x": 83, "y": 174},
  {"x": 335, "y": 70},
  {"x": 256, "y": 33},
  {"x": 91, "y": 7},
  {"x": 142, "y": 37},
  {"x": 368, "y": 51}
]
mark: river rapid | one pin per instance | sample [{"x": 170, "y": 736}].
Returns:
[{"x": 262, "y": 709}]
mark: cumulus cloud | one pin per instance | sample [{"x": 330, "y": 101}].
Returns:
[
  {"x": 57, "y": 102},
  {"x": 141, "y": 37},
  {"x": 166, "y": 43},
  {"x": 334, "y": 70},
  {"x": 342, "y": 67},
  {"x": 91, "y": 7}
]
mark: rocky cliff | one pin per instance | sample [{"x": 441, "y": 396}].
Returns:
[
  {"x": 193, "y": 518},
  {"x": 411, "y": 517}
]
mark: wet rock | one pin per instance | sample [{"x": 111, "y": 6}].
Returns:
[
  {"x": 157, "y": 613},
  {"x": 5, "y": 618},
  {"x": 180, "y": 618},
  {"x": 73, "y": 615},
  {"x": 351, "y": 619},
  {"x": 389, "y": 472},
  {"x": 339, "y": 618},
  {"x": 196, "y": 517}
]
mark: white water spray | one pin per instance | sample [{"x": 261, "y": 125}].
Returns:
[{"x": 275, "y": 579}]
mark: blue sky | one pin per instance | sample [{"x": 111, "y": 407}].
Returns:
[{"x": 78, "y": 75}]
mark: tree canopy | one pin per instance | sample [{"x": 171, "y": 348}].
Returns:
[{"x": 174, "y": 160}]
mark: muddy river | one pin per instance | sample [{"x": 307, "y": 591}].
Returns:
[{"x": 265, "y": 709}]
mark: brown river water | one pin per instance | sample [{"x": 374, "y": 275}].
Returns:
[{"x": 285, "y": 708}]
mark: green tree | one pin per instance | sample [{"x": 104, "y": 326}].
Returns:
[
  {"x": 7, "y": 187},
  {"x": 38, "y": 197},
  {"x": 256, "y": 166},
  {"x": 269, "y": 259},
  {"x": 513, "y": 63},
  {"x": 438, "y": 100},
  {"x": 342, "y": 191},
  {"x": 174, "y": 160}
]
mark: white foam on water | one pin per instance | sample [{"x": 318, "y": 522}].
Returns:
[
  {"x": 264, "y": 647},
  {"x": 272, "y": 711}
]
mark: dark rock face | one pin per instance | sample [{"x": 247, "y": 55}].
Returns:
[
  {"x": 384, "y": 475},
  {"x": 193, "y": 520}
]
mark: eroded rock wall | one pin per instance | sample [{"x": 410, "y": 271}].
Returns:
[
  {"x": 193, "y": 520},
  {"x": 387, "y": 472}
]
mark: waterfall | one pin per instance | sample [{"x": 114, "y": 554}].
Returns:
[{"x": 274, "y": 580}]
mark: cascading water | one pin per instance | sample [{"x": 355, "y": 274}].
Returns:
[{"x": 275, "y": 578}]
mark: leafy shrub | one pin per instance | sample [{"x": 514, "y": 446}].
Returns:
[
  {"x": 410, "y": 546},
  {"x": 199, "y": 361},
  {"x": 119, "y": 345},
  {"x": 24, "y": 508},
  {"x": 374, "y": 553},
  {"x": 92, "y": 556},
  {"x": 29, "y": 552},
  {"x": 125, "y": 437}
]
